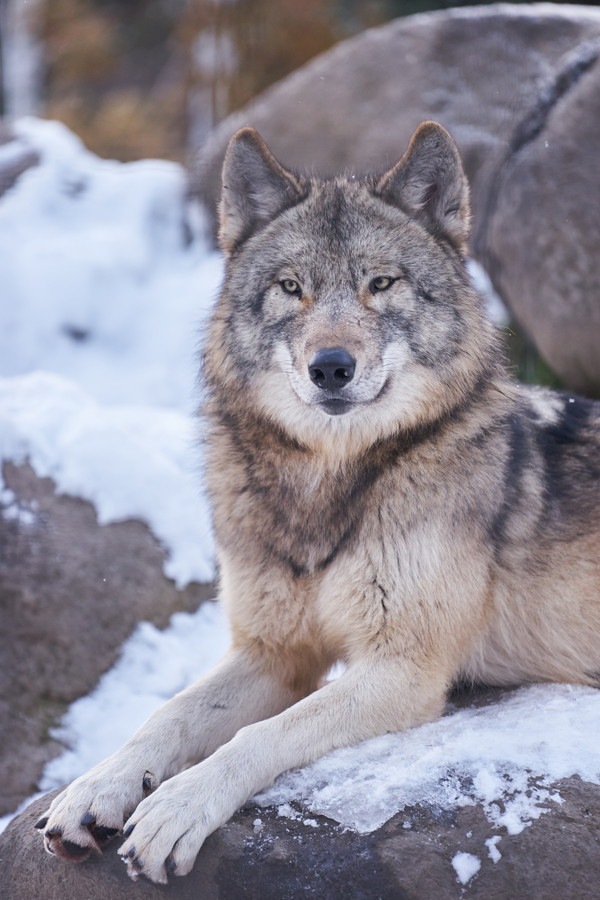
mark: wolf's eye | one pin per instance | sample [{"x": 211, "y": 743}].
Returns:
[
  {"x": 291, "y": 286},
  {"x": 381, "y": 283}
]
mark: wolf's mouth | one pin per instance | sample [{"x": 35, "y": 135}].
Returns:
[{"x": 335, "y": 406}]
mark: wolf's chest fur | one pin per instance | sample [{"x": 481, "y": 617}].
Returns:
[{"x": 294, "y": 510}]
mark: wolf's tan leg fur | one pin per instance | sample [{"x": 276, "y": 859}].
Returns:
[
  {"x": 167, "y": 829},
  {"x": 186, "y": 729}
]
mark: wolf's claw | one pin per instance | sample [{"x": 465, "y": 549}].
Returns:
[{"x": 58, "y": 846}]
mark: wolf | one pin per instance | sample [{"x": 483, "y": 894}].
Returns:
[{"x": 383, "y": 495}]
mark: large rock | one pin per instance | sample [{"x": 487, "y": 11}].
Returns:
[
  {"x": 506, "y": 81},
  {"x": 71, "y": 591},
  {"x": 541, "y": 245},
  {"x": 262, "y": 856}
]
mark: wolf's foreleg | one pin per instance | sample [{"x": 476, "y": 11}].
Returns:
[
  {"x": 239, "y": 690},
  {"x": 167, "y": 829}
]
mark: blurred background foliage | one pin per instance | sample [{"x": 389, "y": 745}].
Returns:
[{"x": 139, "y": 78}]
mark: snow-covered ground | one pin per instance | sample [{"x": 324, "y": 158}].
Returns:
[{"x": 105, "y": 281}]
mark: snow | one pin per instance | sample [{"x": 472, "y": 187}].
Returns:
[
  {"x": 105, "y": 273},
  {"x": 106, "y": 281},
  {"x": 492, "y": 845},
  {"x": 505, "y": 756},
  {"x": 129, "y": 461},
  {"x": 496, "y": 309},
  {"x": 466, "y": 866}
]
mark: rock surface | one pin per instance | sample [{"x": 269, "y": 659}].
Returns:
[
  {"x": 409, "y": 858},
  {"x": 542, "y": 241},
  {"x": 506, "y": 81},
  {"x": 71, "y": 591}
]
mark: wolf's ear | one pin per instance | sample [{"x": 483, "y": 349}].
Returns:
[
  {"x": 255, "y": 188},
  {"x": 430, "y": 185}
]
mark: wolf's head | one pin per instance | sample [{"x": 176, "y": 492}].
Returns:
[{"x": 346, "y": 312}]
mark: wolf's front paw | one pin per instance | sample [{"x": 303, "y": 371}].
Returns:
[
  {"x": 92, "y": 810},
  {"x": 166, "y": 831}
]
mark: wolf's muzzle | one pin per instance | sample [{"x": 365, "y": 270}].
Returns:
[{"x": 332, "y": 368}]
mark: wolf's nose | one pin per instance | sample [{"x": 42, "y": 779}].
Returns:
[{"x": 331, "y": 368}]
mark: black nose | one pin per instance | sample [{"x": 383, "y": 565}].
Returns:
[{"x": 332, "y": 368}]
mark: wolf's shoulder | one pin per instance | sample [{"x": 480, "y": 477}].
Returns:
[
  {"x": 562, "y": 432},
  {"x": 559, "y": 417}
]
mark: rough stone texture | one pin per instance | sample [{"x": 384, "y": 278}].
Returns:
[
  {"x": 491, "y": 75},
  {"x": 558, "y": 856},
  {"x": 71, "y": 591}
]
